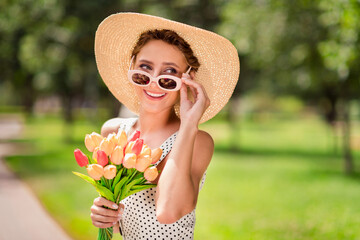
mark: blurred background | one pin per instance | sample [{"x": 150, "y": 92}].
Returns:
[{"x": 287, "y": 145}]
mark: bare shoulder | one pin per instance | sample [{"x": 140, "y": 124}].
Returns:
[
  {"x": 204, "y": 140},
  {"x": 203, "y": 149},
  {"x": 111, "y": 126}
]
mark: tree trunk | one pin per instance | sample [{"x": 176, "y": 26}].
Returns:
[{"x": 346, "y": 132}]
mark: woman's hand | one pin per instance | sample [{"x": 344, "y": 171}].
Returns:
[
  {"x": 102, "y": 217},
  {"x": 191, "y": 111}
]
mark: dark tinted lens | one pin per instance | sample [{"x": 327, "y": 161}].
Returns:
[
  {"x": 167, "y": 83},
  {"x": 140, "y": 79}
]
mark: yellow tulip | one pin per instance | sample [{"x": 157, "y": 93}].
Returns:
[
  {"x": 121, "y": 138},
  {"x": 155, "y": 155},
  {"x": 117, "y": 155},
  {"x": 151, "y": 174},
  {"x": 129, "y": 160},
  {"x": 129, "y": 147},
  {"x": 142, "y": 163},
  {"x": 109, "y": 171},
  {"x": 107, "y": 145},
  {"x": 95, "y": 171}
]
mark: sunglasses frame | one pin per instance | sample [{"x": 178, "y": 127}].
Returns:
[{"x": 155, "y": 79}]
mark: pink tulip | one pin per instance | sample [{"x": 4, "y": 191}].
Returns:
[
  {"x": 95, "y": 171},
  {"x": 117, "y": 155},
  {"x": 155, "y": 155},
  {"x": 129, "y": 160},
  {"x": 109, "y": 171},
  {"x": 142, "y": 163},
  {"x": 136, "y": 148},
  {"x": 102, "y": 158},
  {"x": 135, "y": 136},
  {"x": 151, "y": 174},
  {"x": 81, "y": 158}
]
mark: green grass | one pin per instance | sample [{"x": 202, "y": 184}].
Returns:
[{"x": 269, "y": 179}]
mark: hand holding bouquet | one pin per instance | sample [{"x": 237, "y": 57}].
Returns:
[{"x": 118, "y": 168}]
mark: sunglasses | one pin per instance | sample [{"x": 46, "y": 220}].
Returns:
[{"x": 164, "y": 82}]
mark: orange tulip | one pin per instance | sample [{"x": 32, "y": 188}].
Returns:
[
  {"x": 109, "y": 171},
  {"x": 145, "y": 151},
  {"x": 107, "y": 145},
  {"x": 94, "y": 156},
  {"x": 155, "y": 155},
  {"x": 129, "y": 147},
  {"x": 142, "y": 163},
  {"x": 81, "y": 158},
  {"x": 92, "y": 141},
  {"x": 151, "y": 173},
  {"x": 89, "y": 144},
  {"x": 121, "y": 139},
  {"x": 117, "y": 155},
  {"x": 95, "y": 171},
  {"x": 129, "y": 160}
]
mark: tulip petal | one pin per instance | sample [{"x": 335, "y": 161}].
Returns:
[{"x": 81, "y": 158}]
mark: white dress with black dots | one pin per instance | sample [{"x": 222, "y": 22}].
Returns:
[{"x": 139, "y": 217}]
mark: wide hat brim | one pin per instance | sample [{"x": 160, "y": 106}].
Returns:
[{"x": 117, "y": 35}]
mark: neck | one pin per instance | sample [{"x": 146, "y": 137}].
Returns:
[{"x": 150, "y": 122}]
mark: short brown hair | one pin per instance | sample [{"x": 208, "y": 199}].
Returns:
[{"x": 169, "y": 37}]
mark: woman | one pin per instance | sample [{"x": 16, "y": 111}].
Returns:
[{"x": 163, "y": 71}]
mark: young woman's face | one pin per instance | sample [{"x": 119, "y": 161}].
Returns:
[{"x": 159, "y": 58}]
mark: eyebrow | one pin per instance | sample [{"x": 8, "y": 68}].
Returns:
[{"x": 165, "y": 63}]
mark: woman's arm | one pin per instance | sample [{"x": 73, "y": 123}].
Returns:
[{"x": 178, "y": 185}]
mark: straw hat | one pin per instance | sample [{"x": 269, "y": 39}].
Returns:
[{"x": 117, "y": 35}]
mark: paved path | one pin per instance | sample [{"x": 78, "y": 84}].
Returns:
[{"x": 22, "y": 217}]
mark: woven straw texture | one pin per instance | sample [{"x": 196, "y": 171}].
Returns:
[{"x": 115, "y": 39}]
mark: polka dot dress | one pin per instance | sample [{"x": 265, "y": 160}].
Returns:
[{"x": 139, "y": 218}]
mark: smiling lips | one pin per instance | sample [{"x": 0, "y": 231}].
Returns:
[{"x": 155, "y": 95}]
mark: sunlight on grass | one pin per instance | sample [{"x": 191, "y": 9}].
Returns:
[{"x": 274, "y": 179}]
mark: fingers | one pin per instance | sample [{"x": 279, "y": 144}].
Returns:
[
  {"x": 102, "y": 217},
  {"x": 100, "y": 201},
  {"x": 200, "y": 90}
]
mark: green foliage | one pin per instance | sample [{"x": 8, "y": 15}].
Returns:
[{"x": 282, "y": 180}]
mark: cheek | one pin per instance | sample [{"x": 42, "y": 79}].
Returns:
[{"x": 138, "y": 91}]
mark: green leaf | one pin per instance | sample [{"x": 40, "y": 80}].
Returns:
[
  {"x": 86, "y": 178},
  {"x": 118, "y": 188},
  {"x": 103, "y": 191},
  {"x": 128, "y": 186},
  {"x": 139, "y": 189},
  {"x": 117, "y": 178},
  {"x": 106, "y": 193}
]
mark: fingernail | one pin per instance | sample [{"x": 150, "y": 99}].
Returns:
[{"x": 115, "y": 206}]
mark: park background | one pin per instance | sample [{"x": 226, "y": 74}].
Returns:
[{"x": 287, "y": 145}]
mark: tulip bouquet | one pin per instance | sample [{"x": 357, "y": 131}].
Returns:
[{"x": 118, "y": 167}]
